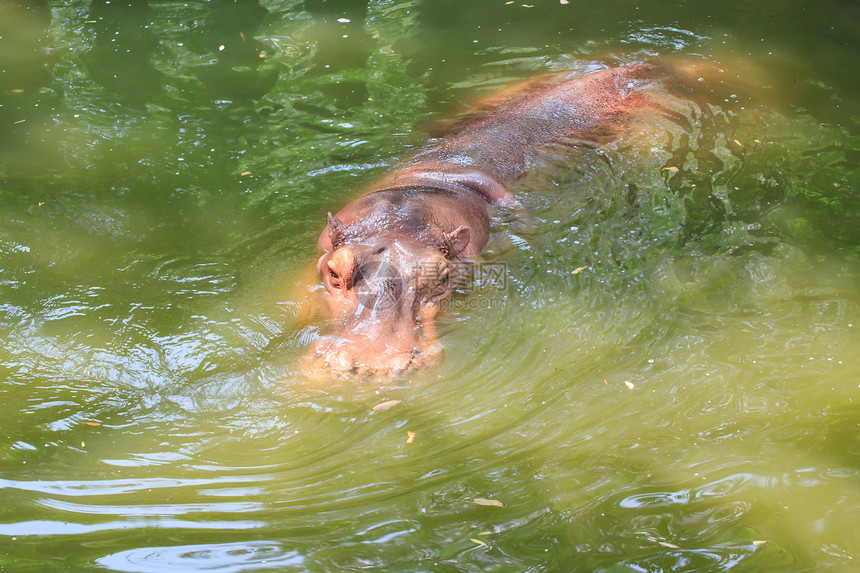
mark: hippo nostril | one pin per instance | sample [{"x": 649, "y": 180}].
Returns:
[{"x": 401, "y": 362}]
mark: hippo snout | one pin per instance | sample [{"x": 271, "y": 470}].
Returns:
[{"x": 360, "y": 355}]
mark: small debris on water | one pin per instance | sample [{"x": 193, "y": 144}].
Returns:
[
  {"x": 630, "y": 384},
  {"x": 577, "y": 270},
  {"x": 385, "y": 405},
  {"x": 672, "y": 169},
  {"x": 478, "y": 541},
  {"x": 488, "y": 502},
  {"x": 242, "y": 174},
  {"x": 669, "y": 545},
  {"x": 411, "y": 437},
  {"x": 759, "y": 542}
]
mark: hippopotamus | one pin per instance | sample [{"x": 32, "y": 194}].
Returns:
[{"x": 392, "y": 255}]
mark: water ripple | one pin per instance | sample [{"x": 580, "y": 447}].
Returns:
[
  {"x": 44, "y": 528},
  {"x": 221, "y": 557},
  {"x": 78, "y": 488}
]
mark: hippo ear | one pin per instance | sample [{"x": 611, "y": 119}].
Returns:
[
  {"x": 457, "y": 240},
  {"x": 335, "y": 229}
]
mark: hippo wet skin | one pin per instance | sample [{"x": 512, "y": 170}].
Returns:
[{"x": 392, "y": 255}]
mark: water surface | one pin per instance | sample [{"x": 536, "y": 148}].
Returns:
[{"x": 685, "y": 402}]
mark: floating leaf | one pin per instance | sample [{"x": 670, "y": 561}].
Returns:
[
  {"x": 478, "y": 541},
  {"x": 577, "y": 270},
  {"x": 386, "y": 405},
  {"x": 759, "y": 542},
  {"x": 242, "y": 174},
  {"x": 669, "y": 545},
  {"x": 671, "y": 169},
  {"x": 411, "y": 437},
  {"x": 630, "y": 384},
  {"x": 488, "y": 502},
  {"x": 93, "y": 423},
  {"x": 486, "y": 533}
]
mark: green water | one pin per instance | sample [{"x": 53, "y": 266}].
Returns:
[{"x": 687, "y": 402}]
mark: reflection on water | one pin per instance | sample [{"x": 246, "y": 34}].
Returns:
[
  {"x": 686, "y": 401},
  {"x": 124, "y": 43},
  {"x": 228, "y": 557}
]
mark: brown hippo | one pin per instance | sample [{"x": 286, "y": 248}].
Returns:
[{"x": 391, "y": 256}]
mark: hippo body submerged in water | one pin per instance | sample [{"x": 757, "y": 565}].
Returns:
[{"x": 391, "y": 256}]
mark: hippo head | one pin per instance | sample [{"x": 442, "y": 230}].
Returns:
[{"x": 384, "y": 293}]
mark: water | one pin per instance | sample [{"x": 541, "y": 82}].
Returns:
[{"x": 686, "y": 402}]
